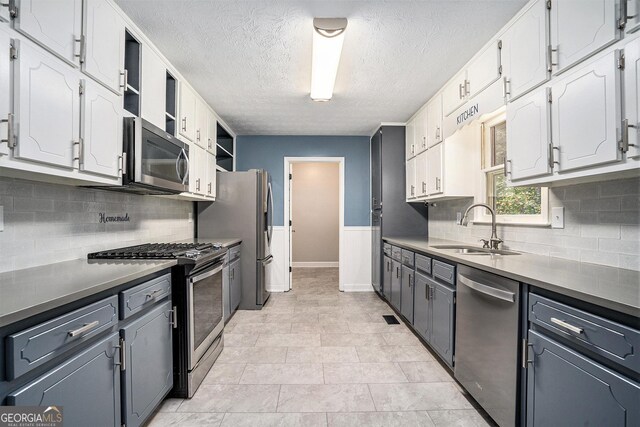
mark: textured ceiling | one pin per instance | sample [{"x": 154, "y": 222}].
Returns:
[{"x": 251, "y": 60}]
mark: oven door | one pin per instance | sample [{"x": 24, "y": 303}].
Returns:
[{"x": 204, "y": 302}]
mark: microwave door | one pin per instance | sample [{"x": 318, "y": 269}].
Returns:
[{"x": 162, "y": 163}]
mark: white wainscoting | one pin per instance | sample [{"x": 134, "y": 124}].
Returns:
[{"x": 280, "y": 267}]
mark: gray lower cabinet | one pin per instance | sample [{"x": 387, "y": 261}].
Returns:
[
  {"x": 406, "y": 293},
  {"x": 87, "y": 386},
  {"x": 442, "y": 312},
  {"x": 422, "y": 307},
  {"x": 565, "y": 388},
  {"x": 148, "y": 364},
  {"x": 396, "y": 274},
  {"x": 235, "y": 287},
  {"x": 386, "y": 278}
]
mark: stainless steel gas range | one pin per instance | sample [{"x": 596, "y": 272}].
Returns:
[{"x": 197, "y": 305}]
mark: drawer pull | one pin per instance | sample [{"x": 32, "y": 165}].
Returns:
[
  {"x": 86, "y": 328},
  {"x": 153, "y": 293},
  {"x": 566, "y": 325}
]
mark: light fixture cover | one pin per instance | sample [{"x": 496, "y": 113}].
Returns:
[{"x": 328, "y": 36}]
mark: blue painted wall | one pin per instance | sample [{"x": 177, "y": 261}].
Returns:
[{"x": 268, "y": 152}]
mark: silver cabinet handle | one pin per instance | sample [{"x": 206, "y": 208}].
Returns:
[
  {"x": 10, "y": 136},
  {"x": 198, "y": 184},
  {"x": 487, "y": 290},
  {"x": 424, "y": 187},
  {"x": 460, "y": 95},
  {"x": 153, "y": 293},
  {"x": 410, "y": 280},
  {"x": 505, "y": 84},
  {"x": 467, "y": 87},
  {"x": 397, "y": 273},
  {"x": 86, "y": 328},
  {"x": 198, "y": 134},
  {"x": 550, "y": 52},
  {"x": 567, "y": 326},
  {"x": 184, "y": 124}
]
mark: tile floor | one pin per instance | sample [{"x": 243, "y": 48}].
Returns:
[{"x": 318, "y": 357}]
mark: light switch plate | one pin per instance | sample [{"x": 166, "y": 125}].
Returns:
[{"x": 557, "y": 217}]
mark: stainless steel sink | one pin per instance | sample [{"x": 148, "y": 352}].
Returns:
[{"x": 474, "y": 250}]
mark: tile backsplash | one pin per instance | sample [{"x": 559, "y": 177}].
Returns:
[
  {"x": 46, "y": 223},
  {"x": 602, "y": 225}
]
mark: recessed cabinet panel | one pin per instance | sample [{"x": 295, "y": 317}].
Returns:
[
  {"x": 406, "y": 294},
  {"x": 420, "y": 137},
  {"x": 202, "y": 123},
  {"x": 47, "y": 107},
  {"x": 210, "y": 172},
  {"x": 580, "y": 28},
  {"x": 197, "y": 170},
  {"x": 410, "y": 139},
  {"x": 396, "y": 283},
  {"x": 187, "y": 123},
  {"x": 529, "y": 130},
  {"x": 484, "y": 70},
  {"x": 632, "y": 97},
  {"x": 4, "y": 12},
  {"x": 454, "y": 93},
  {"x": 422, "y": 317},
  {"x": 434, "y": 121},
  {"x": 104, "y": 38},
  {"x": 5, "y": 90},
  {"x": 154, "y": 88},
  {"x": 56, "y": 25},
  {"x": 585, "y": 115},
  {"x": 411, "y": 178},
  {"x": 633, "y": 16},
  {"x": 212, "y": 134},
  {"x": 101, "y": 130},
  {"x": 524, "y": 51},
  {"x": 435, "y": 161},
  {"x": 442, "y": 320},
  {"x": 421, "y": 174}
]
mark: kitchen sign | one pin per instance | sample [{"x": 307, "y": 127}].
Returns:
[{"x": 104, "y": 218}]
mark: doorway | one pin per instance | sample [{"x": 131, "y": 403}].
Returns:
[{"x": 314, "y": 218}]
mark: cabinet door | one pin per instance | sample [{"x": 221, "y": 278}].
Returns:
[
  {"x": 86, "y": 385},
  {"x": 421, "y": 174},
  {"x": 411, "y": 178},
  {"x": 56, "y": 25},
  {"x": 236, "y": 284},
  {"x": 210, "y": 173},
  {"x": 434, "y": 169},
  {"x": 101, "y": 130},
  {"x": 202, "y": 124},
  {"x": 154, "y": 88},
  {"x": 442, "y": 300},
  {"x": 187, "y": 112},
  {"x": 104, "y": 39},
  {"x": 633, "y": 15},
  {"x": 524, "y": 51},
  {"x": 5, "y": 90},
  {"x": 197, "y": 170},
  {"x": 580, "y": 28},
  {"x": 564, "y": 388},
  {"x": 632, "y": 96},
  {"x": 406, "y": 303},
  {"x": 453, "y": 94},
  {"x": 47, "y": 107},
  {"x": 434, "y": 121},
  {"x": 226, "y": 292},
  {"x": 148, "y": 368},
  {"x": 396, "y": 278},
  {"x": 529, "y": 130},
  {"x": 410, "y": 134},
  {"x": 387, "y": 278},
  {"x": 212, "y": 134},
  {"x": 4, "y": 12},
  {"x": 422, "y": 307},
  {"x": 484, "y": 70},
  {"x": 420, "y": 137},
  {"x": 586, "y": 115}
]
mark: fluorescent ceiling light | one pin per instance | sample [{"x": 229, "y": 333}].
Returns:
[{"x": 328, "y": 36}]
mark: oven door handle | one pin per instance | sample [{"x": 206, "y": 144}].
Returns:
[{"x": 210, "y": 272}]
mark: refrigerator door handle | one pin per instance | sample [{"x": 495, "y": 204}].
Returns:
[
  {"x": 270, "y": 213},
  {"x": 267, "y": 260}
]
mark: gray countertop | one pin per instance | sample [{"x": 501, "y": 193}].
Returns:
[
  {"x": 31, "y": 291},
  {"x": 613, "y": 288}
]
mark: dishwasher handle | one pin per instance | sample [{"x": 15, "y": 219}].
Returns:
[{"x": 487, "y": 290}]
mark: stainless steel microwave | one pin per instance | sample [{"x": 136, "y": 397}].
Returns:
[{"x": 155, "y": 162}]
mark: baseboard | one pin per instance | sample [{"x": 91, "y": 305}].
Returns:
[
  {"x": 315, "y": 264},
  {"x": 357, "y": 287}
]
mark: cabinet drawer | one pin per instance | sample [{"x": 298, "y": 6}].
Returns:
[
  {"x": 407, "y": 258},
  {"x": 234, "y": 253},
  {"x": 423, "y": 264},
  {"x": 387, "y": 249},
  {"x": 142, "y": 296},
  {"x": 396, "y": 253},
  {"x": 39, "y": 344},
  {"x": 445, "y": 272},
  {"x": 611, "y": 340}
]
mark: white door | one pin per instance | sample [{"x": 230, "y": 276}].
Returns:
[
  {"x": 633, "y": 15},
  {"x": 104, "y": 39},
  {"x": 187, "y": 123},
  {"x": 524, "y": 51},
  {"x": 484, "y": 70},
  {"x": 212, "y": 124},
  {"x": 420, "y": 137},
  {"x": 453, "y": 94},
  {"x": 632, "y": 96},
  {"x": 5, "y": 89},
  {"x": 421, "y": 174},
  {"x": 410, "y": 134},
  {"x": 586, "y": 115},
  {"x": 529, "y": 136},
  {"x": 202, "y": 125},
  {"x": 211, "y": 175},
  {"x": 154, "y": 88},
  {"x": 101, "y": 130},
  {"x": 411, "y": 178},
  {"x": 55, "y": 24},
  {"x": 434, "y": 121},
  {"x": 579, "y": 28},
  {"x": 47, "y": 107},
  {"x": 435, "y": 162}
]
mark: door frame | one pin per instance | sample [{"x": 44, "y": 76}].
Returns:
[{"x": 287, "y": 203}]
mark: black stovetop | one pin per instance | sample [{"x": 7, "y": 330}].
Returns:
[{"x": 180, "y": 251}]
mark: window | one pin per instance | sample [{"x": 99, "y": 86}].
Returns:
[{"x": 514, "y": 205}]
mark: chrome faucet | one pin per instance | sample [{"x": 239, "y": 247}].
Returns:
[{"x": 494, "y": 241}]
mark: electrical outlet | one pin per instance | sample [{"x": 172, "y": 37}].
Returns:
[
  {"x": 557, "y": 217},
  {"x": 1, "y": 218},
  {"x": 458, "y": 218}
]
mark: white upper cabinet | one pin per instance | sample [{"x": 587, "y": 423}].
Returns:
[
  {"x": 524, "y": 52},
  {"x": 631, "y": 130},
  {"x": 101, "y": 130},
  {"x": 633, "y": 15},
  {"x": 529, "y": 136},
  {"x": 104, "y": 44},
  {"x": 421, "y": 174},
  {"x": 420, "y": 136},
  {"x": 435, "y": 160},
  {"x": 197, "y": 170},
  {"x": 154, "y": 88},
  {"x": 47, "y": 108},
  {"x": 411, "y": 178},
  {"x": 410, "y": 132},
  {"x": 187, "y": 123},
  {"x": 580, "y": 28},
  {"x": 434, "y": 121},
  {"x": 210, "y": 190},
  {"x": 454, "y": 93},
  {"x": 6, "y": 128},
  {"x": 202, "y": 123},
  {"x": 212, "y": 134},
  {"x": 586, "y": 115},
  {"x": 483, "y": 70},
  {"x": 55, "y": 24}
]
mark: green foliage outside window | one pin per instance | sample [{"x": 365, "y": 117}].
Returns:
[{"x": 514, "y": 200}]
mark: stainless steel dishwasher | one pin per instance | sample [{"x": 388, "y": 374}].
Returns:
[{"x": 486, "y": 364}]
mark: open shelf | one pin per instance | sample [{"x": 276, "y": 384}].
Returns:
[
  {"x": 170, "y": 114},
  {"x": 224, "y": 150},
  {"x": 132, "y": 67}
]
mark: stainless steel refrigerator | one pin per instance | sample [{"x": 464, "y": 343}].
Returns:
[{"x": 243, "y": 209}]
